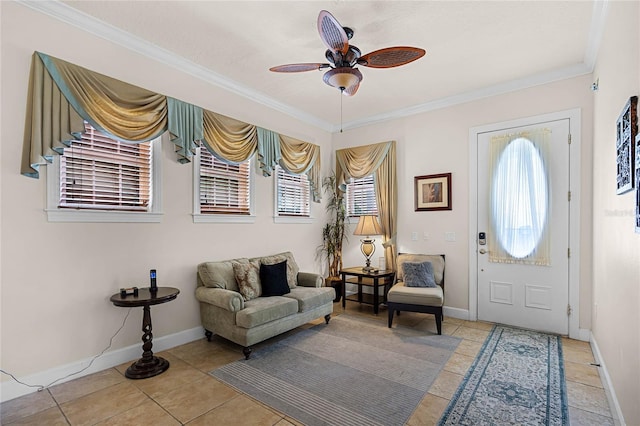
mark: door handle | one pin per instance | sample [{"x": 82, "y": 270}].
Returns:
[{"x": 482, "y": 251}]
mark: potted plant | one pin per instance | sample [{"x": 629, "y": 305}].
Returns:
[{"x": 333, "y": 233}]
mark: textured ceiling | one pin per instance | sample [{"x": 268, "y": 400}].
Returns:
[{"x": 474, "y": 48}]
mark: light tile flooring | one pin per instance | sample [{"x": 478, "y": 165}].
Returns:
[{"x": 186, "y": 394}]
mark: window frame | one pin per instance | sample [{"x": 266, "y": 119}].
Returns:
[
  {"x": 199, "y": 217},
  {"x": 279, "y": 217},
  {"x": 352, "y": 218},
  {"x": 153, "y": 215}
]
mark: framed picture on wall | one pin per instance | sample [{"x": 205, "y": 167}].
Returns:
[
  {"x": 637, "y": 172},
  {"x": 626, "y": 130},
  {"x": 433, "y": 192}
]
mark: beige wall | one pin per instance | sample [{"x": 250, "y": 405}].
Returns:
[
  {"x": 438, "y": 142},
  {"x": 53, "y": 314},
  {"x": 616, "y": 254},
  {"x": 65, "y": 313}
]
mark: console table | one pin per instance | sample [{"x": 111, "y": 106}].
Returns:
[
  {"x": 369, "y": 279},
  {"x": 149, "y": 365}
]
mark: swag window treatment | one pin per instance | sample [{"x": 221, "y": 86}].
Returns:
[
  {"x": 61, "y": 96},
  {"x": 379, "y": 159}
]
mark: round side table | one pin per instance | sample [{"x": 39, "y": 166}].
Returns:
[{"x": 149, "y": 365}]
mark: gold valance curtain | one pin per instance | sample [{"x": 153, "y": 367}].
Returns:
[
  {"x": 379, "y": 159},
  {"x": 229, "y": 139},
  {"x": 235, "y": 141},
  {"x": 62, "y": 95}
]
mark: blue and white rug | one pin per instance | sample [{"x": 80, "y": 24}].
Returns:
[{"x": 516, "y": 379}]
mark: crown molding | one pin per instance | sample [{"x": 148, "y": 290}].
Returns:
[
  {"x": 474, "y": 95},
  {"x": 62, "y": 12},
  {"x": 58, "y": 10}
]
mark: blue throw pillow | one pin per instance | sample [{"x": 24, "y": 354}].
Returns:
[
  {"x": 274, "y": 279},
  {"x": 418, "y": 274}
]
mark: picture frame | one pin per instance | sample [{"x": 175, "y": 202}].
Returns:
[
  {"x": 637, "y": 175},
  {"x": 433, "y": 192},
  {"x": 626, "y": 130}
]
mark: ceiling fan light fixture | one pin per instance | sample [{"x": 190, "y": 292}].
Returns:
[{"x": 342, "y": 78}]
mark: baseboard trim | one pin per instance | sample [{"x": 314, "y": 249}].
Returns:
[
  {"x": 458, "y": 313},
  {"x": 11, "y": 389},
  {"x": 584, "y": 334},
  {"x": 614, "y": 406}
]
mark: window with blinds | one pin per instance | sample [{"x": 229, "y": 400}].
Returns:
[
  {"x": 224, "y": 188},
  {"x": 293, "y": 194},
  {"x": 361, "y": 197},
  {"x": 100, "y": 173}
]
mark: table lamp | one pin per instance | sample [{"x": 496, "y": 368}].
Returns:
[{"x": 368, "y": 225}]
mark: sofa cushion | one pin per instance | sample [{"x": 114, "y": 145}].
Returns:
[
  {"x": 248, "y": 279},
  {"x": 309, "y": 298},
  {"x": 437, "y": 262},
  {"x": 273, "y": 279},
  {"x": 418, "y": 274},
  {"x": 218, "y": 274},
  {"x": 429, "y": 296},
  {"x": 292, "y": 266},
  {"x": 262, "y": 310}
]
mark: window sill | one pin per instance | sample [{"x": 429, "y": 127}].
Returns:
[
  {"x": 93, "y": 216},
  {"x": 222, "y": 218},
  {"x": 292, "y": 219}
]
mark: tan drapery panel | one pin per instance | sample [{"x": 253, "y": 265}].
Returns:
[
  {"x": 125, "y": 111},
  {"x": 302, "y": 157},
  {"x": 231, "y": 139},
  {"x": 362, "y": 161},
  {"x": 50, "y": 120}
]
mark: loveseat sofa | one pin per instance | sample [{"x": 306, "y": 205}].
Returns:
[{"x": 247, "y": 301}]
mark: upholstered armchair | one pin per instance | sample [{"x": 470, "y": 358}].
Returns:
[{"x": 419, "y": 286}]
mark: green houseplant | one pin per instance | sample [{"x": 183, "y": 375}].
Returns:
[{"x": 333, "y": 233}]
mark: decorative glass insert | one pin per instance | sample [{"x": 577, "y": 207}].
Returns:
[{"x": 519, "y": 201}]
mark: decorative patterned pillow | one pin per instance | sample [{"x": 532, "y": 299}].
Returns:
[
  {"x": 292, "y": 266},
  {"x": 418, "y": 274},
  {"x": 274, "y": 279},
  {"x": 248, "y": 279}
]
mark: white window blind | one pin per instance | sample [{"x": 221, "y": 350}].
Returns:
[
  {"x": 361, "y": 197},
  {"x": 293, "y": 194},
  {"x": 100, "y": 173},
  {"x": 224, "y": 188}
]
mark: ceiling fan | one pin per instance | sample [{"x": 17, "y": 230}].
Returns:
[{"x": 344, "y": 57}]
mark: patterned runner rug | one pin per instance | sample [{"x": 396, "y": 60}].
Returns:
[
  {"x": 516, "y": 379},
  {"x": 352, "y": 371}
]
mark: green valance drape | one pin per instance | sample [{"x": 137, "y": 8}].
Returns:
[
  {"x": 62, "y": 95},
  {"x": 380, "y": 159}
]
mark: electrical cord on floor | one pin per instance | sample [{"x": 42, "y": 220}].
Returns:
[{"x": 42, "y": 387}]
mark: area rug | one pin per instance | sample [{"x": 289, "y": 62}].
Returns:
[
  {"x": 516, "y": 379},
  {"x": 352, "y": 371}
]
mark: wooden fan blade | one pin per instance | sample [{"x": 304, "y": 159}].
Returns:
[
  {"x": 391, "y": 57},
  {"x": 299, "y": 67},
  {"x": 332, "y": 33}
]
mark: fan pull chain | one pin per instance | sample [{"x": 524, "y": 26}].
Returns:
[{"x": 341, "y": 96}]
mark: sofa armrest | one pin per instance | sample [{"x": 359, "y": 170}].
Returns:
[
  {"x": 308, "y": 279},
  {"x": 226, "y": 299}
]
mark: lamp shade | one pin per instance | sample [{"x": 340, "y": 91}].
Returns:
[
  {"x": 368, "y": 225},
  {"x": 343, "y": 77}
]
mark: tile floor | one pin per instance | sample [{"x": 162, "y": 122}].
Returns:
[{"x": 186, "y": 394}]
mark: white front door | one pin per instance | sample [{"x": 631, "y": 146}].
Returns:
[{"x": 523, "y": 211}]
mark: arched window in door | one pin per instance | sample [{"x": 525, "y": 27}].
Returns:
[{"x": 519, "y": 199}]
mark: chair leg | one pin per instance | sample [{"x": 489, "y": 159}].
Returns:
[
  {"x": 439, "y": 322},
  {"x": 390, "y": 316}
]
